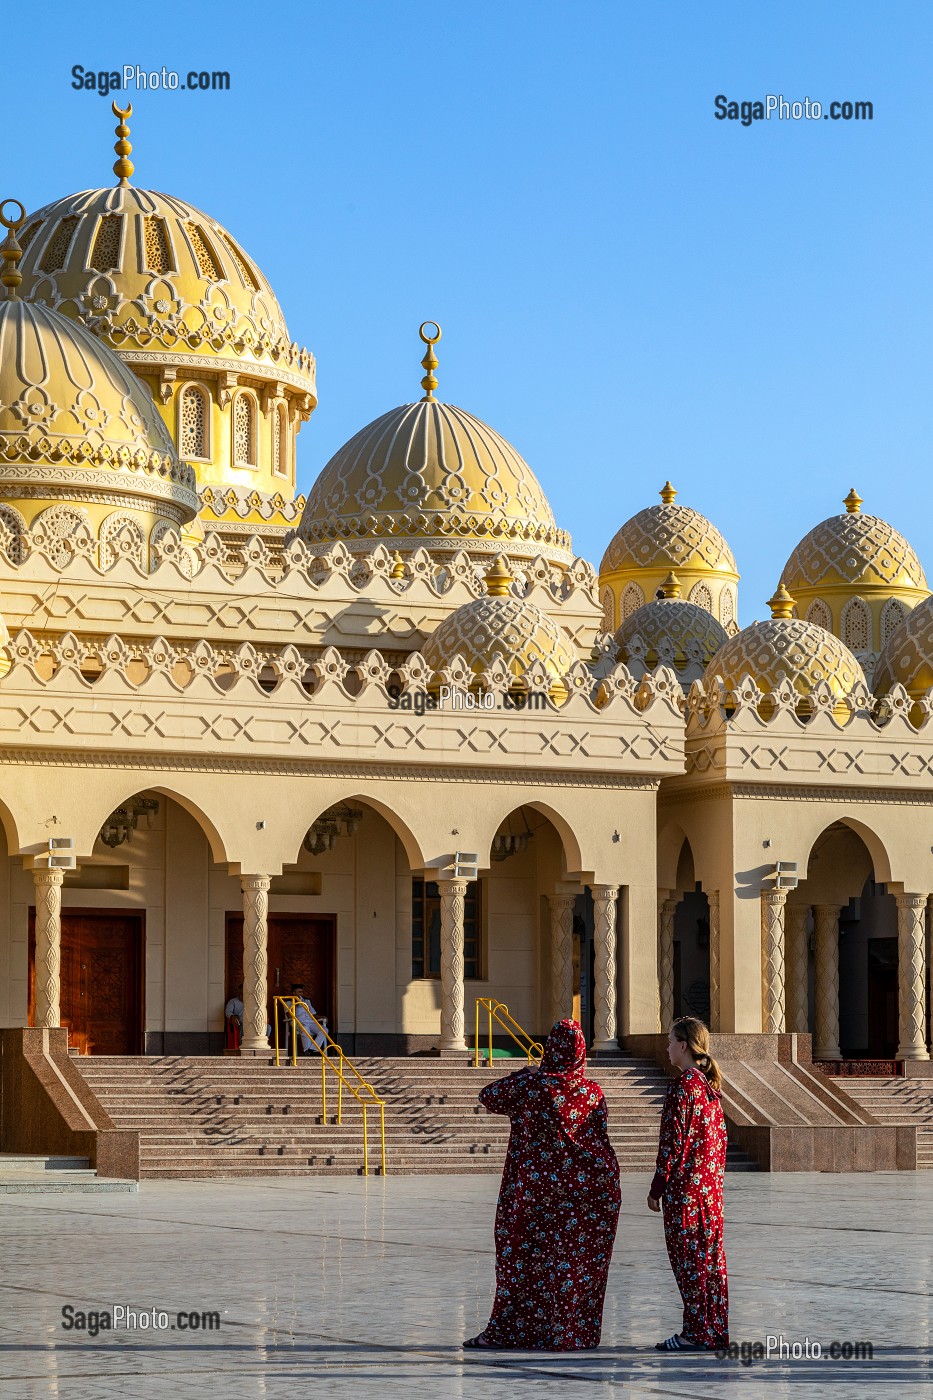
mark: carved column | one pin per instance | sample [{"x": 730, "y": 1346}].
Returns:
[
  {"x": 666, "y": 913},
  {"x": 772, "y": 960},
  {"x": 798, "y": 967},
  {"x": 714, "y": 960},
  {"x": 48, "y": 885},
  {"x": 911, "y": 992},
  {"x": 453, "y": 902},
  {"x": 929, "y": 946},
  {"x": 255, "y": 963},
  {"x": 604, "y": 991},
  {"x": 561, "y": 906},
  {"x": 826, "y": 940}
]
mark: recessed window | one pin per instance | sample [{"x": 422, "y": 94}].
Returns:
[
  {"x": 280, "y": 441},
  {"x": 426, "y": 930},
  {"x": 244, "y": 431},
  {"x": 194, "y": 423}
]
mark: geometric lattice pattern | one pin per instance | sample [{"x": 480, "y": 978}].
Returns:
[
  {"x": 672, "y": 630},
  {"x": 805, "y": 653},
  {"x": 668, "y": 536},
  {"x": 193, "y": 423},
  {"x": 853, "y": 548},
  {"x": 206, "y": 260},
  {"x": 633, "y": 598},
  {"x": 856, "y": 625},
  {"x": 243, "y": 431},
  {"x": 908, "y": 654},
  {"x": 158, "y": 256},
  {"x": 106, "y": 254},
  {"x": 510, "y": 630}
]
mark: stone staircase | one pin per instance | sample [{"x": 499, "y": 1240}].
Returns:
[
  {"x": 896, "y": 1102},
  {"x": 228, "y": 1117},
  {"x": 22, "y": 1173}
]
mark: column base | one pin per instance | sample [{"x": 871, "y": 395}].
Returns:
[
  {"x": 456, "y": 1052},
  {"x": 912, "y": 1052},
  {"x": 605, "y": 1047},
  {"x": 259, "y": 1048},
  {"x": 831, "y": 1052}
]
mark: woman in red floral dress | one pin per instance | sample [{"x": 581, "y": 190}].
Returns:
[
  {"x": 688, "y": 1180},
  {"x": 558, "y": 1204}
]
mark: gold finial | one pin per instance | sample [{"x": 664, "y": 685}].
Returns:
[
  {"x": 668, "y": 493},
  {"x": 123, "y": 167},
  {"x": 398, "y": 566},
  {"x": 429, "y": 363},
  {"x": 10, "y": 250},
  {"x": 670, "y": 588},
  {"x": 499, "y": 578},
  {"x": 853, "y": 502},
  {"x": 782, "y": 604}
]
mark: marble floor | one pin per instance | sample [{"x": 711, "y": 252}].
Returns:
[{"x": 350, "y": 1288}]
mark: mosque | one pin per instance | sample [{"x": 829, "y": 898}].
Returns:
[{"x": 394, "y": 740}]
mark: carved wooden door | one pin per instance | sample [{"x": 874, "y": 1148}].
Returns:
[
  {"x": 301, "y": 949},
  {"x": 101, "y": 980}
]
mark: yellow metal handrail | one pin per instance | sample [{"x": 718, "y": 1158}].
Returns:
[
  {"x": 498, "y": 1011},
  {"x": 289, "y": 1005}
]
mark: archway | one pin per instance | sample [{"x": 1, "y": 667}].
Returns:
[{"x": 684, "y": 944}]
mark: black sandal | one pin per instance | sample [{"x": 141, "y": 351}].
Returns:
[
  {"x": 479, "y": 1342},
  {"x": 677, "y": 1343}
]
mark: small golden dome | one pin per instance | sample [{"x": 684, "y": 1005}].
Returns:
[
  {"x": 430, "y": 475},
  {"x": 670, "y": 631},
  {"x": 72, "y": 415},
  {"x": 804, "y": 653},
  {"x": 853, "y": 551},
  {"x": 668, "y": 536},
  {"x": 500, "y": 628},
  {"x": 907, "y": 657},
  {"x": 159, "y": 280}
]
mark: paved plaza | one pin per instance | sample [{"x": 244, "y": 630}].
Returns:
[{"x": 351, "y": 1288}]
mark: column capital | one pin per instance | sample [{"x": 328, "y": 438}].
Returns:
[
  {"x": 457, "y": 884},
  {"x": 770, "y": 896},
  {"x": 255, "y": 882},
  {"x": 912, "y": 901},
  {"x": 562, "y": 901},
  {"x": 42, "y": 875},
  {"x": 604, "y": 891}
]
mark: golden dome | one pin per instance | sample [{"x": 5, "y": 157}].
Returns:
[
  {"x": 503, "y": 628},
  {"x": 431, "y": 475},
  {"x": 159, "y": 280},
  {"x": 804, "y": 653},
  {"x": 907, "y": 657},
  {"x": 668, "y": 536},
  {"x": 73, "y": 416},
  {"x": 670, "y": 631},
  {"x": 853, "y": 551}
]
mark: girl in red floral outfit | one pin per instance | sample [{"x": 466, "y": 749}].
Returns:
[
  {"x": 688, "y": 1180},
  {"x": 558, "y": 1204}
]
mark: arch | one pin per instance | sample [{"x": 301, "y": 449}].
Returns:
[
  {"x": 416, "y": 857},
  {"x": 12, "y": 532},
  {"x": 571, "y": 847},
  {"x": 856, "y": 625},
  {"x": 727, "y": 606},
  {"x": 279, "y": 441},
  {"x": 194, "y": 423},
  {"x": 609, "y": 610},
  {"x": 892, "y": 615},
  {"x": 243, "y": 435},
  {"x": 819, "y": 612},
  {"x": 121, "y": 536},
  {"x": 87, "y": 836},
  {"x": 877, "y": 851},
  {"x": 54, "y": 528},
  {"x": 702, "y": 596},
  {"x": 633, "y": 598},
  {"x": 10, "y": 830}
]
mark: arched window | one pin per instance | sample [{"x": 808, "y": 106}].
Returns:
[
  {"x": 632, "y": 599},
  {"x": 609, "y": 611},
  {"x": 819, "y": 612},
  {"x": 280, "y": 441},
  {"x": 856, "y": 625},
  {"x": 701, "y": 595},
  {"x": 244, "y": 430},
  {"x": 726, "y": 606},
  {"x": 194, "y": 417},
  {"x": 892, "y": 615}
]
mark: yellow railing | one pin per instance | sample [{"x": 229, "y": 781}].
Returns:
[
  {"x": 498, "y": 1011},
  {"x": 363, "y": 1092}
]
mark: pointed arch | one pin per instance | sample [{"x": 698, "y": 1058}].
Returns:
[
  {"x": 819, "y": 612},
  {"x": 856, "y": 625},
  {"x": 194, "y": 423}
]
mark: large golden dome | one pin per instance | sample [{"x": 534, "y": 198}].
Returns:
[
  {"x": 803, "y": 653},
  {"x": 656, "y": 540},
  {"x": 500, "y": 628},
  {"x": 154, "y": 275},
  {"x": 431, "y": 475},
  {"x": 77, "y": 426},
  {"x": 670, "y": 631},
  {"x": 907, "y": 657}
]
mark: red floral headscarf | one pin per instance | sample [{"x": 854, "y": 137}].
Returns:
[{"x": 565, "y": 1051}]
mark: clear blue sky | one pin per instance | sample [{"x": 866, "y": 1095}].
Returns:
[{"x": 629, "y": 289}]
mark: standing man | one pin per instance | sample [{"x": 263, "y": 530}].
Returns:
[{"x": 303, "y": 1013}]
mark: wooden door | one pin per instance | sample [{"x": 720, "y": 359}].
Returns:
[
  {"x": 102, "y": 972},
  {"x": 301, "y": 949}
]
